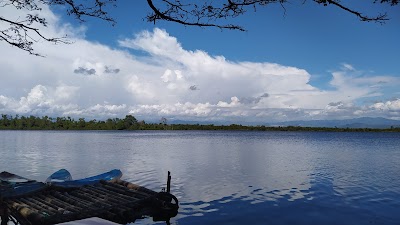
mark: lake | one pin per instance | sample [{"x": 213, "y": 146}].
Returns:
[{"x": 231, "y": 177}]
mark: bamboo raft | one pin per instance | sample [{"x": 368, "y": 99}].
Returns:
[{"x": 117, "y": 201}]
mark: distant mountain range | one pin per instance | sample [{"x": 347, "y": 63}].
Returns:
[{"x": 363, "y": 122}]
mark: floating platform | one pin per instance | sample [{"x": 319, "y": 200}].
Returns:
[{"x": 116, "y": 200}]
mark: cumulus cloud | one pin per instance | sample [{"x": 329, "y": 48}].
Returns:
[
  {"x": 193, "y": 88},
  {"x": 40, "y": 100},
  {"x": 387, "y": 106},
  {"x": 110, "y": 70},
  {"x": 164, "y": 83},
  {"x": 253, "y": 100},
  {"x": 85, "y": 71},
  {"x": 333, "y": 104}
]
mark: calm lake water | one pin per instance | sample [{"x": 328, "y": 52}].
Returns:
[{"x": 232, "y": 177}]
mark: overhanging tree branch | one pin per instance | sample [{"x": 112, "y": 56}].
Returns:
[
  {"x": 87, "y": 8},
  {"x": 381, "y": 18},
  {"x": 23, "y": 34},
  {"x": 208, "y": 13},
  {"x": 168, "y": 15},
  {"x": 19, "y": 34}
]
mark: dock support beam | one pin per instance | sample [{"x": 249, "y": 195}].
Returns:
[{"x": 4, "y": 214}]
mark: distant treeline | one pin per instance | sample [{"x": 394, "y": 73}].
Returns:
[{"x": 8, "y": 122}]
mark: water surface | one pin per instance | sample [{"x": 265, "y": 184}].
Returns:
[{"x": 232, "y": 177}]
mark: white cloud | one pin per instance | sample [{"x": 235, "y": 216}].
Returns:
[
  {"x": 234, "y": 103},
  {"x": 387, "y": 106},
  {"x": 347, "y": 66},
  {"x": 158, "y": 43},
  {"x": 92, "y": 80}
]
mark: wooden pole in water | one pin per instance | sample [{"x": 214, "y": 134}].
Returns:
[{"x": 169, "y": 182}]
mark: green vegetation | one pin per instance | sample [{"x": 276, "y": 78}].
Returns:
[{"x": 8, "y": 122}]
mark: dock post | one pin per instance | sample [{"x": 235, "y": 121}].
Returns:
[
  {"x": 169, "y": 182},
  {"x": 4, "y": 214}
]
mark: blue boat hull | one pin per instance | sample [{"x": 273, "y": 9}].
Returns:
[
  {"x": 12, "y": 185},
  {"x": 54, "y": 179}
]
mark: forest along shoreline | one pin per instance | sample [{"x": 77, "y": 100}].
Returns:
[{"x": 8, "y": 122}]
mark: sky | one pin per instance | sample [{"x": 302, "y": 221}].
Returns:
[{"x": 307, "y": 62}]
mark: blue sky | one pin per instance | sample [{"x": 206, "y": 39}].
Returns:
[
  {"x": 309, "y": 36},
  {"x": 308, "y": 62}
]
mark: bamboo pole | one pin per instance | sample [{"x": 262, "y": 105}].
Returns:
[
  {"x": 132, "y": 186},
  {"x": 121, "y": 194},
  {"x": 94, "y": 202},
  {"x": 42, "y": 209},
  {"x": 112, "y": 198},
  {"x": 37, "y": 199},
  {"x": 125, "y": 191},
  {"x": 61, "y": 205},
  {"x": 27, "y": 212},
  {"x": 72, "y": 200}
]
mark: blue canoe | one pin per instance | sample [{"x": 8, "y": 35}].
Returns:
[
  {"x": 63, "y": 178},
  {"x": 12, "y": 185}
]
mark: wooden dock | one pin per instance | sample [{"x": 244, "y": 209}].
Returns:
[{"x": 117, "y": 201}]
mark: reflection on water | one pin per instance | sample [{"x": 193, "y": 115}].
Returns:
[{"x": 232, "y": 177}]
